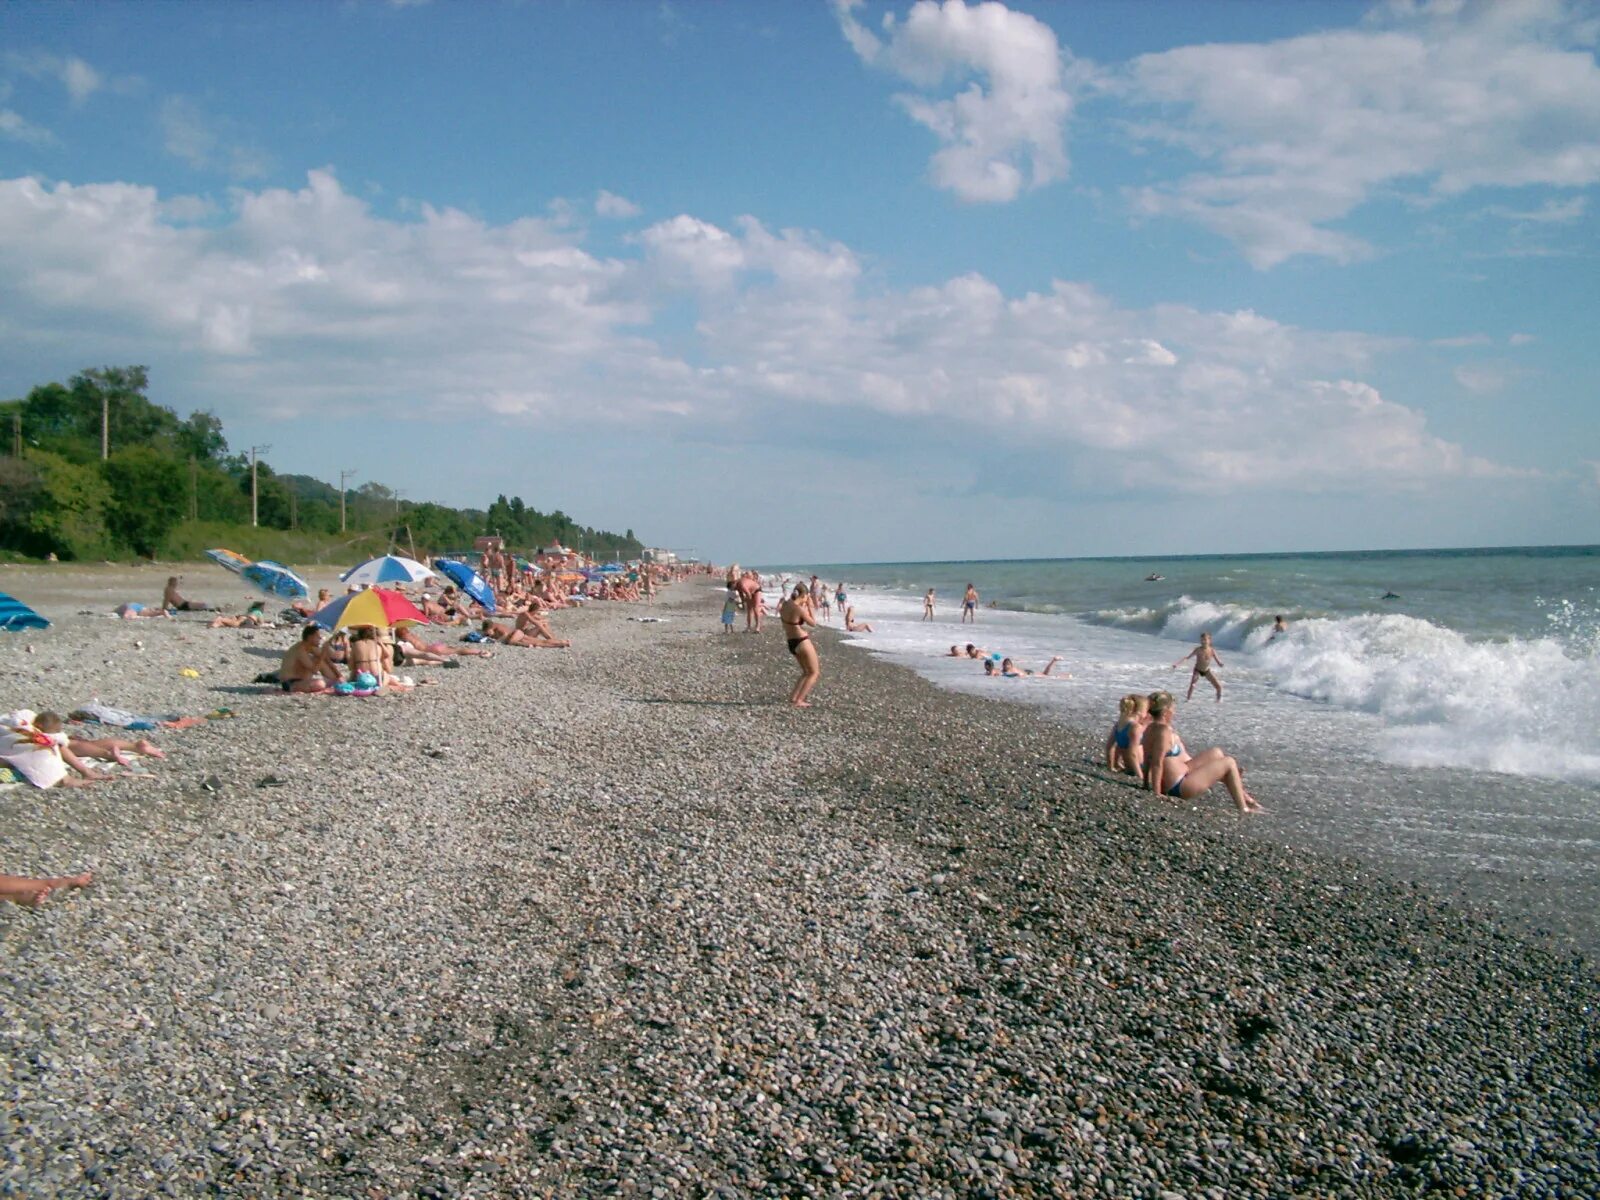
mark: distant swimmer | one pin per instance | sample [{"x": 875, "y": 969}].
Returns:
[
  {"x": 1279, "y": 625},
  {"x": 927, "y": 606},
  {"x": 1154, "y": 578},
  {"x": 969, "y": 605},
  {"x": 1391, "y": 595},
  {"x": 1205, "y": 658},
  {"x": 1012, "y": 671}
]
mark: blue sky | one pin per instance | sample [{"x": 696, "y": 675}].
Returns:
[{"x": 846, "y": 281}]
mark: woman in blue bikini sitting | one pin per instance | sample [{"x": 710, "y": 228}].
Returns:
[{"x": 1170, "y": 770}]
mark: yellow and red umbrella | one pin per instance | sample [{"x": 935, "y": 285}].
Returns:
[{"x": 373, "y": 606}]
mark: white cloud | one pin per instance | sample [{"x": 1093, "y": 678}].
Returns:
[
  {"x": 18, "y": 128},
  {"x": 1551, "y": 212},
  {"x": 306, "y": 301},
  {"x": 207, "y": 143},
  {"x": 1295, "y": 135},
  {"x": 1482, "y": 379},
  {"x": 609, "y": 204},
  {"x": 1520, "y": 339},
  {"x": 1461, "y": 341},
  {"x": 1004, "y": 130},
  {"x": 78, "y": 77}
]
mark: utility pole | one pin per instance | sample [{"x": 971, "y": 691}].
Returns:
[
  {"x": 254, "y": 495},
  {"x": 343, "y": 475},
  {"x": 294, "y": 509},
  {"x": 16, "y": 435},
  {"x": 194, "y": 488},
  {"x": 105, "y": 425}
]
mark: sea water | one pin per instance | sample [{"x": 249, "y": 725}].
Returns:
[{"x": 1433, "y": 712}]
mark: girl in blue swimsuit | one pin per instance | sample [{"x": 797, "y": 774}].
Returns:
[
  {"x": 1124, "y": 752},
  {"x": 1170, "y": 770}
]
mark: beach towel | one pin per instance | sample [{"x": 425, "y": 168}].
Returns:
[{"x": 105, "y": 714}]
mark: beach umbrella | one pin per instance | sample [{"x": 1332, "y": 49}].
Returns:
[
  {"x": 231, "y": 559},
  {"x": 275, "y": 579},
  {"x": 468, "y": 580},
  {"x": 17, "y": 616},
  {"x": 372, "y": 606},
  {"x": 391, "y": 568}
]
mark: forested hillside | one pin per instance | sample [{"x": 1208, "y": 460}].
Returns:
[{"x": 95, "y": 469}]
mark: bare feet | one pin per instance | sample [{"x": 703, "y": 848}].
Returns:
[
  {"x": 148, "y": 749},
  {"x": 30, "y": 893}
]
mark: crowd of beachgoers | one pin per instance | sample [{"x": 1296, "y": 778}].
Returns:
[
  {"x": 615, "y": 919},
  {"x": 335, "y": 650},
  {"x": 1143, "y": 742}
]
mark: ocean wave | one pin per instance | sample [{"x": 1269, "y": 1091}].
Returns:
[{"x": 1519, "y": 706}]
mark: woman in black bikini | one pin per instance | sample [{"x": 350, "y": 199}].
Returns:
[{"x": 795, "y": 613}]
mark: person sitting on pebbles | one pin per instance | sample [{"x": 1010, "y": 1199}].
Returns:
[
  {"x": 172, "y": 600},
  {"x": 30, "y": 893},
  {"x": 304, "y": 669},
  {"x": 252, "y": 618},
  {"x": 852, "y": 625}
]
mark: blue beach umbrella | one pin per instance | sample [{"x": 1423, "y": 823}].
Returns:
[
  {"x": 17, "y": 616},
  {"x": 468, "y": 580},
  {"x": 275, "y": 579},
  {"x": 391, "y": 568}
]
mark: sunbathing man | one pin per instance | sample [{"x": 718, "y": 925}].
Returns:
[
  {"x": 304, "y": 669},
  {"x": 515, "y": 637},
  {"x": 171, "y": 599},
  {"x": 30, "y": 893}
]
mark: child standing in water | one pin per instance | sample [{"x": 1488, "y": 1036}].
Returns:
[
  {"x": 927, "y": 606},
  {"x": 1205, "y": 657}
]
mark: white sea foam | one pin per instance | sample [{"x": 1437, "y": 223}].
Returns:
[{"x": 1526, "y": 707}]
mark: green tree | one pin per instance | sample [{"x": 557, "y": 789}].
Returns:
[
  {"x": 149, "y": 493},
  {"x": 68, "y": 515}
]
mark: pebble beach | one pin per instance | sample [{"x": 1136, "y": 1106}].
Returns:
[{"x": 617, "y": 921}]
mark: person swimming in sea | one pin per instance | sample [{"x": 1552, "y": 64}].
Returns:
[{"x": 1205, "y": 658}]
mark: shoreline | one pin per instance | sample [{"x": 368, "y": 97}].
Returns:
[{"x": 643, "y": 923}]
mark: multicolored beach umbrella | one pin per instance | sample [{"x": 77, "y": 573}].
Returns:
[
  {"x": 17, "y": 616},
  {"x": 275, "y": 579},
  {"x": 378, "y": 607},
  {"x": 468, "y": 580},
  {"x": 391, "y": 568},
  {"x": 231, "y": 559}
]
